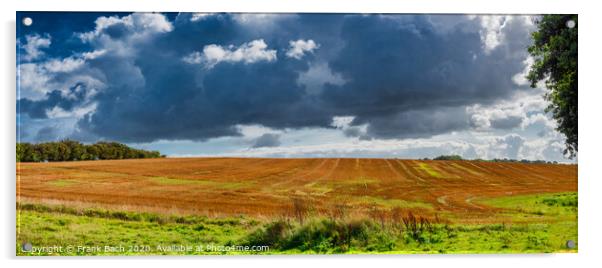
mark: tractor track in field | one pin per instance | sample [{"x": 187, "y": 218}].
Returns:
[
  {"x": 395, "y": 171},
  {"x": 407, "y": 171}
]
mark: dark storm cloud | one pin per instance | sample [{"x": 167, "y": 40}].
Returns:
[
  {"x": 156, "y": 95},
  {"x": 37, "y": 109},
  {"x": 46, "y": 134},
  {"x": 418, "y": 123},
  {"x": 152, "y": 94},
  {"x": 267, "y": 140},
  {"x": 404, "y": 76}
]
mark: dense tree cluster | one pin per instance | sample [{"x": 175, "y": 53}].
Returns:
[
  {"x": 448, "y": 157},
  {"x": 69, "y": 150}
]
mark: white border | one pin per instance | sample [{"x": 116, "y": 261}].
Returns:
[
  {"x": 337, "y": 6},
  {"x": 589, "y": 155}
]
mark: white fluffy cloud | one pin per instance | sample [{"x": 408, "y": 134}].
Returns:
[
  {"x": 71, "y": 63},
  {"x": 33, "y": 81},
  {"x": 33, "y": 46},
  {"x": 298, "y": 48},
  {"x": 63, "y": 65},
  {"x": 342, "y": 122},
  {"x": 251, "y": 52},
  {"x": 121, "y": 36},
  {"x": 137, "y": 24},
  {"x": 77, "y": 112},
  {"x": 521, "y": 78},
  {"x": 37, "y": 79},
  {"x": 522, "y": 110},
  {"x": 539, "y": 118},
  {"x": 261, "y": 22},
  {"x": 199, "y": 16},
  {"x": 492, "y": 32}
]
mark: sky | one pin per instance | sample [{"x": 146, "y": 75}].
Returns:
[{"x": 285, "y": 85}]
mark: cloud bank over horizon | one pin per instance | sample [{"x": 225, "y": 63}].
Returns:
[{"x": 285, "y": 85}]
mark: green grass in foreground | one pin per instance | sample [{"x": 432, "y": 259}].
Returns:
[
  {"x": 128, "y": 233},
  {"x": 138, "y": 233},
  {"x": 556, "y": 207}
]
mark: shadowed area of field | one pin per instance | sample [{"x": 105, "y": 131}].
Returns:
[{"x": 265, "y": 187}]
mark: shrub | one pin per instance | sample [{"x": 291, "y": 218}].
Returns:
[
  {"x": 569, "y": 200},
  {"x": 323, "y": 236},
  {"x": 328, "y": 235},
  {"x": 273, "y": 235},
  {"x": 199, "y": 227},
  {"x": 415, "y": 226}
]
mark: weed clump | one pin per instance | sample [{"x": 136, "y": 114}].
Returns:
[
  {"x": 323, "y": 236},
  {"x": 272, "y": 234},
  {"x": 567, "y": 200}
]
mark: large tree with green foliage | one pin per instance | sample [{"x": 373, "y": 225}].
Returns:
[{"x": 555, "y": 52}]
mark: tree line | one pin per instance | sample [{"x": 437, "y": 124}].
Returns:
[
  {"x": 503, "y": 160},
  {"x": 70, "y": 150}
]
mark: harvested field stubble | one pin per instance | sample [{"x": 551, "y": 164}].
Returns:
[{"x": 263, "y": 187}]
